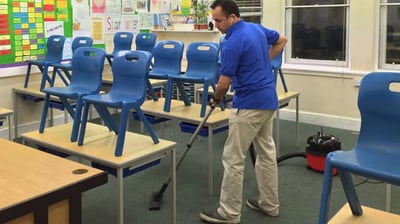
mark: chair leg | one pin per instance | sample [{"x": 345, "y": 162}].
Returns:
[
  {"x": 204, "y": 101},
  {"x": 151, "y": 90},
  {"x": 44, "y": 113},
  {"x": 182, "y": 91},
  {"x": 82, "y": 131},
  {"x": 350, "y": 192},
  {"x": 77, "y": 120},
  {"x": 326, "y": 192},
  {"x": 45, "y": 77},
  {"x": 107, "y": 118},
  {"x": 168, "y": 95},
  {"x": 147, "y": 125},
  {"x": 28, "y": 74},
  {"x": 121, "y": 132}
]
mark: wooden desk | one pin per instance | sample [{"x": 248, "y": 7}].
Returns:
[
  {"x": 32, "y": 91},
  {"x": 6, "y": 113},
  {"x": 37, "y": 187},
  {"x": 369, "y": 216},
  {"x": 99, "y": 148},
  {"x": 190, "y": 114}
]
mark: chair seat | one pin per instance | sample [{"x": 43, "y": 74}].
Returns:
[
  {"x": 39, "y": 62},
  {"x": 68, "y": 92},
  {"x": 367, "y": 164},
  {"x": 112, "y": 100},
  {"x": 195, "y": 77}
]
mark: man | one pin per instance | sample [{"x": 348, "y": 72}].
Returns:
[{"x": 245, "y": 64}]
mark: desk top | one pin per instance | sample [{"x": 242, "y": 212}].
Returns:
[
  {"x": 99, "y": 144},
  {"x": 5, "y": 112},
  {"x": 181, "y": 112},
  {"x": 369, "y": 216},
  {"x": 27, "y": 173}
]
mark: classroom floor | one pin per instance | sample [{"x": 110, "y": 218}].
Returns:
[{"x": 299, "y": 187}]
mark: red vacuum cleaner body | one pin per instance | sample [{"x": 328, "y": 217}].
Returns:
[{"x": 318, "y": 146}]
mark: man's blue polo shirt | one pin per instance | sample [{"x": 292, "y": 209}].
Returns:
[{"x": 245, "y": 59}]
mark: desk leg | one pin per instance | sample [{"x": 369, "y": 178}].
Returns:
[
  {"x": 15, "y": 117},
  {"x": 210, "y": 161},
  {"x": 173, "y": 188},
  {"x": 9, "y": 128},
  {"x": 297, "y": 123},
  {"x": 388, "y": 206},
  {"x": 120, "y": 191}
]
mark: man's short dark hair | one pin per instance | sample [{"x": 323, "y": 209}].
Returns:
[{"x": 228, "y": 7}]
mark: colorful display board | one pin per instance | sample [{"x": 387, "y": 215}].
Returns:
[{"x": 25, "y": 24}]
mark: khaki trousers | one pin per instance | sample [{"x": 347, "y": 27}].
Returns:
[{"x": 245, "y": 127}]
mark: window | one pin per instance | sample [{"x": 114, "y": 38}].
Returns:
[
  {"x": 250, "y": 10},
  {"x": 389, "y": 31},
  {"x": 317, "y": 30}
]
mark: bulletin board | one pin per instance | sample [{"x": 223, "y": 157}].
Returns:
[{"x": 25, "y": 24}]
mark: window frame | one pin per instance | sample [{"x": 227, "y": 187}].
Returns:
[
  {"x": 309, "y": 62},
  {"x": 250, "y": 4},
  {"x": 382, "y": 33}
]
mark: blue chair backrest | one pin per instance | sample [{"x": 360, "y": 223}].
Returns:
[
  {"x": 276, "y": 64},
  {"x": 168, "y": 56},
  {"x": 81, "y": 41},
  {"x": 130, "y": 74},
  {"x": 380, "y": 112},
  {"x": 54, "y": 48},
  {"x": 202, "y": 58},
  {"x": 122, "y": 41},
  {"x": 145, "y": 41},
  {"x": 87, "y": 68}
]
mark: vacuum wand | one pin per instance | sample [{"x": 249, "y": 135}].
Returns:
[{"x": 156, "y": 198}]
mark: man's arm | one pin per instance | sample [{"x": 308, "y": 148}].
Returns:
[
  {"x": 222, "y": 87},
  {"x": 277, "y": 47}
]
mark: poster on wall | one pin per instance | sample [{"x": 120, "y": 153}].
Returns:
[
  {"x": 81, "y": 20},
  {"x": 53, "y": 28},
  {"x": 98, "y": 6},
  {"x": 113, "y": 7},
  {"x": 97, "y": 28},
  {"x": 128, "y": 6},
  {"x": 113, "y": 24}
]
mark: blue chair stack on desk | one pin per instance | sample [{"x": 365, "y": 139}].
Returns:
[
  {"x": 167, "y": 56},
  {"x": 54, "y": 53},
  {"x": 87, "y": 70},
  {"x": 146, "y": 42},
  {"x": 122, "y": 41},
  {"x": 376, "y": 154},
  {"x": 130, "y": 75},
  {"x": 202, "y": 68},
  {"x": 80, "y": 41}
]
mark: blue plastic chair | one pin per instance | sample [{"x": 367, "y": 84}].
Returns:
[
  {"x": 276, "y": 65},
  {"x": 54, "y": 52},
  {"x": 167, "y": 55},
  {"x": 130, "y": 71},
  {"x": 167, "y": 60},
  {"x": 87, "y": 70},
  {"x": 80, "y": 41},
  {"x": 122, "y": 41},
  {"x": 202, "y": 58},
  {"x": 377, "y": 151},
  {"x": 145, "y": 41}
]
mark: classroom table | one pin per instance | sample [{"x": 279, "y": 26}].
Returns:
[
  {"x": 99, "y": 147},
  {"x": 369, "y": 216},
  {"x": 37, "y": 187},
  {"x": 6, "y": 113}
]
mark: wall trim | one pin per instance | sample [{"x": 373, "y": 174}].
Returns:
[{"x": 346, "y": 123}]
